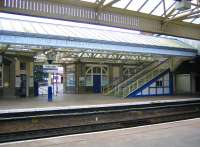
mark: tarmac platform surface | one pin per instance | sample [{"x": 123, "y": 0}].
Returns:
[
  {"x": 183, "y": 133},
  {"x": 74, "y": 101}
]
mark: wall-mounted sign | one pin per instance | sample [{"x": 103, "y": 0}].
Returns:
[
  {"x": 71, "y": 79},
  {"x": 31, "y": 84},
  {"x": 17, "y": 82},
  {"x": 23, "y": 72},
  {"x": 82, "y": 81},
  {"x": 50, "y": 68}
]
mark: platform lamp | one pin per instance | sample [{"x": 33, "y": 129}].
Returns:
[
  {"x": 50, "y": 57},
  {"x": 182, "y": 5}
]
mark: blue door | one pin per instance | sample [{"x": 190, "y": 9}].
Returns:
[{"x": 97, "y": 83}]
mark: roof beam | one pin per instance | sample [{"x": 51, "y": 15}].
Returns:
[
  {"x": 169, "y": 14},
  {"x": 130, "y": 1},
  {"x": 157, "y": 7},
  {"x": 143, "y": 5},
  {"x": 169, "y": 9},
  {"x": 111, "y": 3},
  {"x": 184, "y": 16},
  {"x": 194, "y": 16},
  {"x": 114, "y": 17},
  {"x": 100, "y": 5},
  {"x": 164, "y": 8}
]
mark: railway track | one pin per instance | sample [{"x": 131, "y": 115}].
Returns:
[{"x": 39, "y": 124}]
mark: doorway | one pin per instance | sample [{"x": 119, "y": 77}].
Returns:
[
  {"x": 96, "y": 77},
  {"x": 97, "y": 83}
]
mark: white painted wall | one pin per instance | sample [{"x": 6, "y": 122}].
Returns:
[{"x": 183, "y": 83}]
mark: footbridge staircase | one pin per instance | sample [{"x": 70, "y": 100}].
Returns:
[{"x": 150, "y": 75}]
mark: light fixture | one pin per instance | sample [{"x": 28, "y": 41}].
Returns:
[{"x": 182, "y": 5}]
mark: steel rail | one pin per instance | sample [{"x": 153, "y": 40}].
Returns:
[{"x": 40, "y": 124}]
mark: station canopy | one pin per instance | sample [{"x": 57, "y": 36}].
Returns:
[
  {"x": 163, "y": 8},
  {"x": 66, "y": 41}
]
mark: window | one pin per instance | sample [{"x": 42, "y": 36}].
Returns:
[
  {"x": 22, "y": 66},
  {"x": 159, "y": 83}
]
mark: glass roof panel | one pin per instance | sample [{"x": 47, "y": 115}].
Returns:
[
  {"x": 92, "y": 1},
  {"x": 194, "y": 1},
  {"x": 64, "y": 30},
  {"x": 116, "y": 36},
  {"x": 28, "y": 27},
  {"x": 135, "y": 5},
  {"x": 98, "y": 34},
  {"x": 75, "y": 32},
  {"x": 46, "y": 28},
  {"x": 87, "y": 32},
  {"x": 159, "y": 10},
  {"x": 107, "y": 1},
  {"x": 197, "y": 21},
  {"x": 106, "y": 36},
  {"x": 56, "y": 30},
  {"x": 153, "y": 7},
  {"x": 38, "y": 28},
  {"x": 188, "y": 20},
  {"x": 121, "y": 4},
  {"x": 6, "y": 24},
  {"x": 168, "y": 3},
  {"x": 18, "y": 26},
  {"x": 149, "y": 6}
]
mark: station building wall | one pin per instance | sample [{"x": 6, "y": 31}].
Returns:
[
  {"x": 187, "y": 78},
  {"x": 80, "y": 77},
  {"x": 13, "y": 71}
]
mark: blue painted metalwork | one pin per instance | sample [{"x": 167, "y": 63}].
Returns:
[{"x": 138, "y": 92}]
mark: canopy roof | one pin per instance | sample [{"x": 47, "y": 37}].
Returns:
[
  {"x": 60, "y": 34},
  {"x": 91, "y": 34}
]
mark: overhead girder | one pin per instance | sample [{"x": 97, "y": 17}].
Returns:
[
  {"x": 4, "y": 48},
  {"x": 184, "y": 15},
  {"x": 87, "y": 13},
  {"x": 103, "y": 59},
  {"x": 103, "y": 55},
  {"x": 86, "y": 55}
]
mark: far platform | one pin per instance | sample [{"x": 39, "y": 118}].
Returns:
[
  {"x": 183, "y": 133},
  {"x": 68, "y": 101}
]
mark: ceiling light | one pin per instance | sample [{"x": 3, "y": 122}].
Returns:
[{"x": 182, "y": 5}]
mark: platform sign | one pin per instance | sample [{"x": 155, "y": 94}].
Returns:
[{"x": 50, "y": 68}]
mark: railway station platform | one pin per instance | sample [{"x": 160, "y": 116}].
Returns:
[
  {"x": 66, "y": 101},
  {"x": 183, "y": 133},
  {"x": 109, "y": 67}
]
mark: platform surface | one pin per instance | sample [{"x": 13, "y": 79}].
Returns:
[
  {"x": 68, "y": 101},
  {"x": 185, "y": 133}
]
